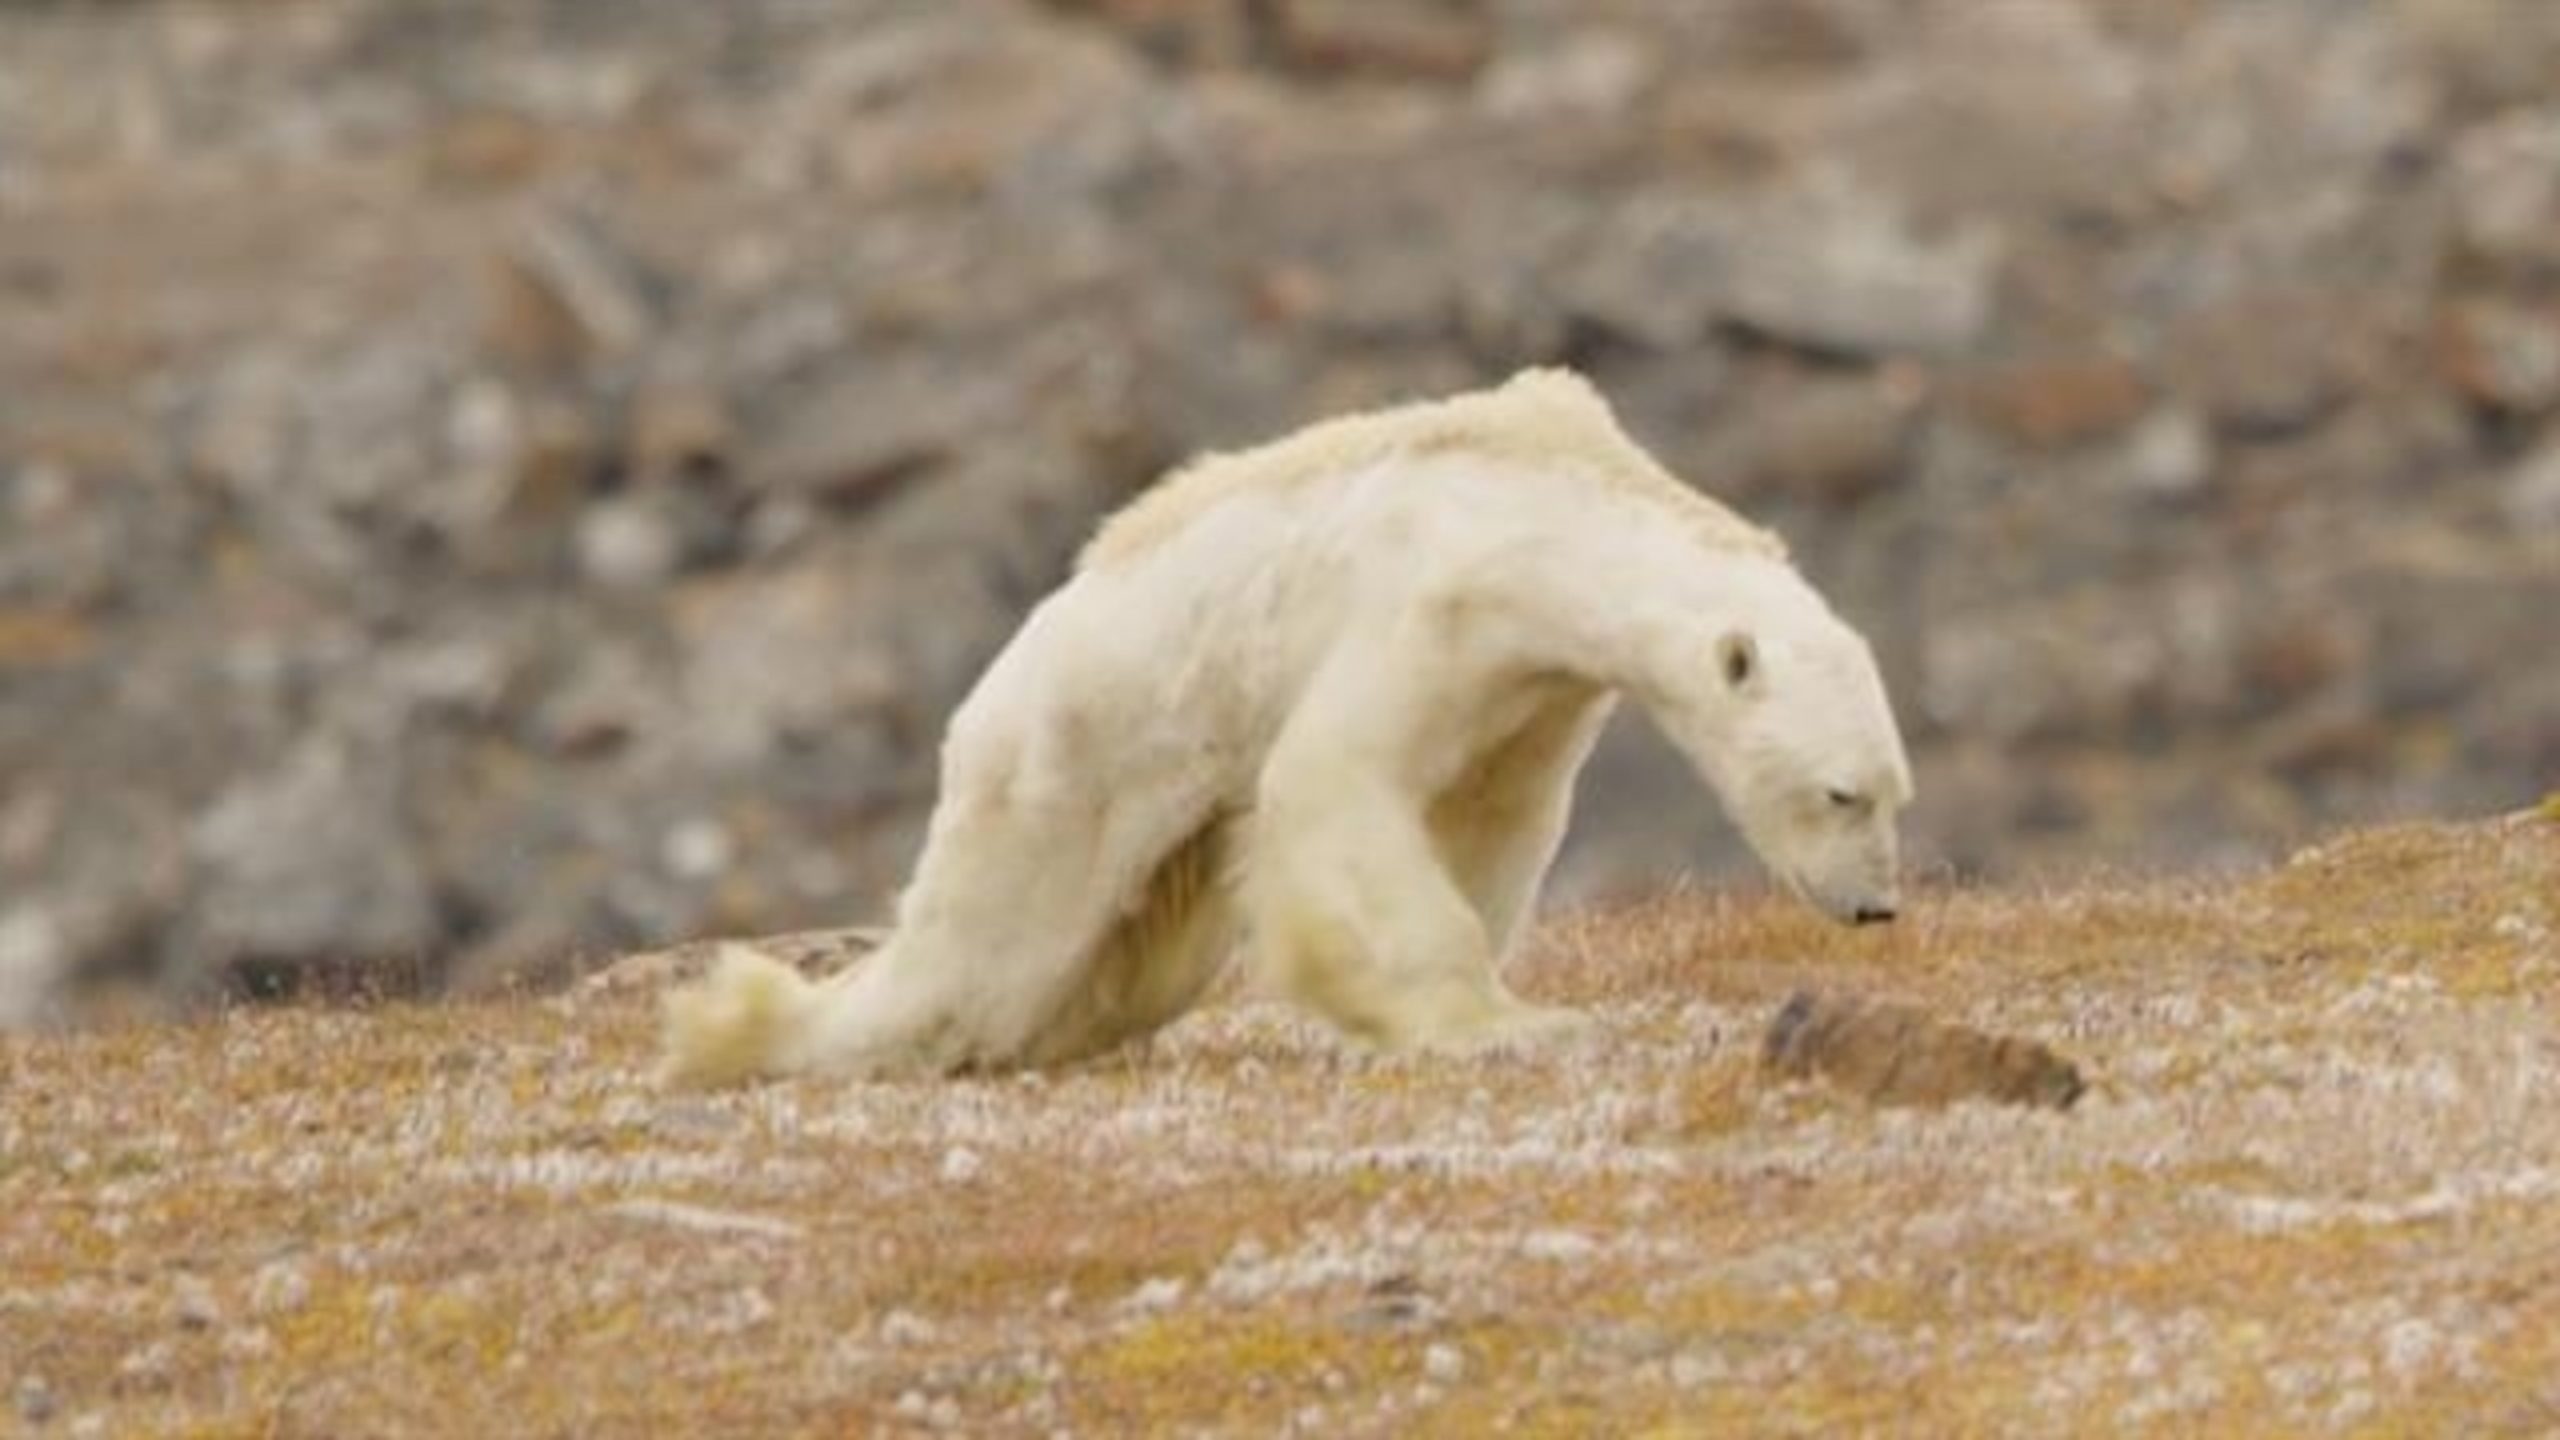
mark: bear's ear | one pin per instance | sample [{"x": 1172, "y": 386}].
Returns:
[{"x": 1738, "y": 660}]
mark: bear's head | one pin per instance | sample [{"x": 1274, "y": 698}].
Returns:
[{"x": 1800, "y": 744}]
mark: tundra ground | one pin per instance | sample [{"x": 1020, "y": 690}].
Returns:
[{"x": 2315, "y": 1187}]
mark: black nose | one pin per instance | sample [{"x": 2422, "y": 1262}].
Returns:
[{"x": 1873, "y": 914}]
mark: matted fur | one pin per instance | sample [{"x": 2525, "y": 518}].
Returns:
[
  {"x": 1329, "y": 696},
  {"x": 1546, "y": 420}
]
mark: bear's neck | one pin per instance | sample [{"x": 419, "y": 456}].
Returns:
[{"x": 1643, "y": 617}]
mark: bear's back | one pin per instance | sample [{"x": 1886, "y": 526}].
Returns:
[{"x": 1549, "y": 421}]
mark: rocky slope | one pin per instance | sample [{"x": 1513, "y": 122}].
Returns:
[
  {"x": 480, "y": 489},
  {"x": 2313, "y": 1187}
]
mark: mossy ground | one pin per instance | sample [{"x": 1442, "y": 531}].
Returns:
[{"x": 2315, "y": 1189}]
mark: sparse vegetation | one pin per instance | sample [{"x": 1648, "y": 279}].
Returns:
[{"x": 2315, "y": 1186}]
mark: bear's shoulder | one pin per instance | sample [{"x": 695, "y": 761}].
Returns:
[{"x": 1550, "y": 420}]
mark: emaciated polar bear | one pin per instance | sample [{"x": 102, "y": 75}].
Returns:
[{"x": 1332, "y": 693}]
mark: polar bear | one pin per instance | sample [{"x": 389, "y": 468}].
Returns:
[{"x": 1329, "y": 696}]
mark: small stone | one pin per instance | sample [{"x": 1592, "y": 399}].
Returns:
[
  {"x": 698, "y": 849},
  {"x": 1444, "y": 1364},
  {"x": 280, "y": 1287},
  {"x": 34, "y": 1399},
  {"x": 905, "y": 1327},
  {"x": 1160, "y": 1293},
  {"x": 960, "y": 1165},
  {"x": 2168, "y": 455},
  {"x": 148, "y": 1364},
  {"x": 629, "y": 544},
  {"x": 1690, "y": 1370},
  {"x": 195, "y": 1308}
]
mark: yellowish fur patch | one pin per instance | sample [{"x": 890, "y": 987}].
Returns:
[
  {"x": 1547, "y": 420},
  {"x": 735, "y": 1025}
]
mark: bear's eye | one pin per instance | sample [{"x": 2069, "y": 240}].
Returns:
[{"x": 1844, "y": 799}]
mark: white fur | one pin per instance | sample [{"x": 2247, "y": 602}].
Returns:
[{"x": 1334, "y": 693}]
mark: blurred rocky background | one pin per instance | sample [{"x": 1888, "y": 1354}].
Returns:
[{"x": 485, "y": 485}]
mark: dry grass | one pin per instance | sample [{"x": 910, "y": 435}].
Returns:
[{"x": 2315, "y": 1189}]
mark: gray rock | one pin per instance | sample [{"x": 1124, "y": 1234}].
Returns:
[
  {"x": 1656, "y": 270},
  {"x": 630, "y": 542},
  {"x": 785, "y": 656},
  {"x": 2169, "y": 454},
  {"x": 2506, "y": 177},
  {"x": 875, "y": 427},
  {"x": 312, "y": 862},
  {"x": 1826, "y": 263},
  {"x": 611, "y": 695},
  {"x": 2532, "y": 490},
  {"x": 1831, "y": 265},
  {"x": 1588, "y": 75},
  {"x": 35, "y": 959},
  {"x": 2503, "y": 356}
]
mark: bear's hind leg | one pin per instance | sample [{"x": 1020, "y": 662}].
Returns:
[
  {"x": 1159, "y": 958},
  {"x": 998, "y": 936}
]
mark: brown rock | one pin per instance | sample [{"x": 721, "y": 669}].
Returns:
[
  {"x": 2506, "y": 179},
  {"x": 2503, "y": 357},
  {"x": 679, "y": 427},
  {"x": 566, "y": 292},
  {"x": 1896, "y": 1055},
  {"x": 1409, "y": 39},
  {"x": 2294, "y": 656},
  {"x": 1837, "y": 441},
  {"x": 542, "y": 456},
  {"x": 2266, "y": 364},
  {"x": 487, "y": 148},
  {"x": 1187, "y": 32},
  {"x": 31, "y": 638},
  {"x": 1788, "y": 35},
  {"x": 2055, "y": 403}
]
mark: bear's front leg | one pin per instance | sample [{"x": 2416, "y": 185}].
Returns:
[{"x": 1354, "y": 915}]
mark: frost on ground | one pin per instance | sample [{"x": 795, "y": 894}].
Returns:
[{"x": 2315, "y": 1184}]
